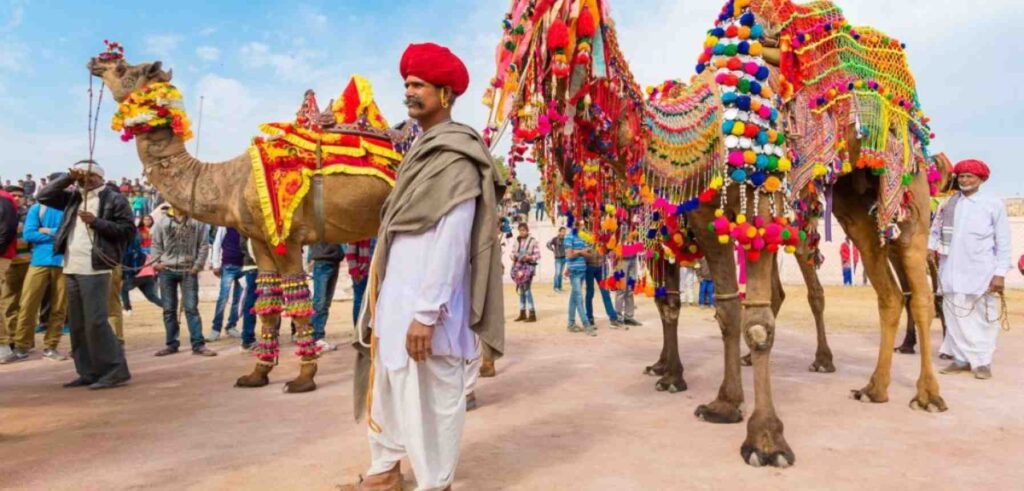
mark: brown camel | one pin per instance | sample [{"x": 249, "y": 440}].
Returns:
[{"x": 225, "y": 194}]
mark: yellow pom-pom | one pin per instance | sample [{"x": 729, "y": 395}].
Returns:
[
  {"x": 820, "y": 170},
  {"x": 741, "y": 219},
  {"x": 847, "y": 168},
  {"x": 790, "y": 249},
  {"x": 723, "y": 239},
  {"x": 739, "y": 128},
  {"x": 785, "y": 164},
  {"x": 710, "y": 42},
  {"x": 717, "y": 182},
  {"x": 719, "y": 212},
  {"x": 756, "y": 49}
]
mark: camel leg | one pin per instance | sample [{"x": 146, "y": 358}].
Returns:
[
  {"x": 910, "y": 338},
  {"x": 816, "y": 299},
  {"x": 726, "y": 408},
  {"x": 860, "y": 227},
  {"x": 658, "y": 368},
  {"x": 668, "y": 308},
  {"x": 765, "y": 443},
  {"x": 914, "y": 253},
  {"x": 268, "y": 308},
  {"x": 778, "y": 297},
  {"x": 299, "y": 308}
]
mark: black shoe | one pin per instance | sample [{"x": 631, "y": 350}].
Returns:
[
  {"x": 632, "y": 322},
  {"x": 204, "y": 351},
  {"x": 166, "y": 351},
  {"x": 109, "y": 384},
  {"x": 78, "y": 382}
]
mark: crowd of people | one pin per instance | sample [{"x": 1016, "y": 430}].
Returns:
[{"x": 131, "y": 240}]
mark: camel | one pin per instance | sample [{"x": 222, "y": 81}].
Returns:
[
  {"x": 225, "y": 194},
  {"x": 855, "y": 193}
]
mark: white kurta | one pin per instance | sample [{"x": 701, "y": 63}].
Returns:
[
  {"x": 421, "y": 407},
  {"x": 975, "y": 250},
  {"x": 78, "y": 257}
]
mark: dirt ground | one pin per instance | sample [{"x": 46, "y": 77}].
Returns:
[{"x": 565, "y": 412}]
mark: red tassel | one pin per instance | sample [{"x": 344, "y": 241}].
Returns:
[
  {"x": 558, "y": 36},
  {"x": 281, "y": 249},
  {"x": 585, "y": 25}
]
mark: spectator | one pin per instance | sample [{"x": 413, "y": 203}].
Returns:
[
  {"x": 538, "y": 198},
  {"x": 557, "y": 246},
  {"x": 180, "y": 247},
  {"x": 326, "y": 265},
  {"x": 596, "y": 274},
  {"x": 688, "y": 284},
  {"x": 624, "y": 301},
  {"x": 706, "y": 297},
  {"x": 29, "y": 188},
  {"x": 45, "y": 278},
  {"x": 146, "y": 234},
  {"x": 227, "y": 259},
  {"x": 94, "y": 230},
  {"x": 138, "y": 273},
  {"x": 850, "y": 256},
  {"x": 358, "y": 256},
  {"x": 576, "y": 270},
  {"x": 971, "y": 235},
  {"x": 525, "y": 256},
  {"x": 10, "y": 222},
  {"x": 138, "y": 204},
  {"x": 125, "y": 187}
]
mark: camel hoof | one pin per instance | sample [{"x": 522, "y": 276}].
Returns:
[
  {"x": 252, "y": 381},
  {"x": 655, "y": 370},
  {"x": 865, "y": 395},
  {"x": 298, "y": 386},
  {"x": 719, "y": 413},
  {"x": 934, "y": 405},
  {"x": 822, "y": 366},
  {"x": 754, "y": 460},
  {"x": 745, "y": 360},
  {"x": 670, "y": 383},
  {"x": 782, "y": 458}
]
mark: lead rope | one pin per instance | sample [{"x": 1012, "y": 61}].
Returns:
[{"x": 1003, "y": 318}]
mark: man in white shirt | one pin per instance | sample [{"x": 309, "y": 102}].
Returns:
[
  {"x": 436, "y": 277},
  {"x": 971, "y": 235}
]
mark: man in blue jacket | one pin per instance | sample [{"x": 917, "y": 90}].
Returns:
[{"x": 45, "y": 274}]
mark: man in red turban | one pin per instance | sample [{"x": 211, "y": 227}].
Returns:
[
  {"x": 434, "y": 289},
  {"x": 971, "y": 235}
]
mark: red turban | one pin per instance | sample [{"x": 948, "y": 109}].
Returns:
[
  {"x": 975, "y": 167},
  {"x": 436, "y": 65}
]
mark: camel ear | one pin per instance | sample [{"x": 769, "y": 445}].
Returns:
[{"x": 155, "y": 72}]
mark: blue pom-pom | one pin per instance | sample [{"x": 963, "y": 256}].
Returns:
[
  {"x": 569, "y": 222},
  {"x": 631, "y": 283},
  {"x": 692, "y": 205},
  {"x": 739, "y": 175},
  {"x": 664, "y": 230},
  {"x": 747, "y": 19},
  {"x": 775, "y": 115},
  {"x": 700, "y": 68},
  {"x": 660, "y": 292},
  {"x": 729, "y": 97},
  {"x": 727, "y": 126},
  {"x": 850, "y": 86},
  {"x": 743, "y": 48},
  {"x": 718, "y": 32},
  {"x": 758, "y": 178},
  {"x": 680, "y": 209},
  {"x": 651, "y": 234},
  {"x": 656, "y": 216},
  {"x": 821, "y": 101},
  {"x": 762, "y": 162},
  {"x": 756, "y": 31},
  {"x": 762, "y": 138},
  {"x": 743, "y": 102},
  {"x": 755, "y": 88},
  {"x": 719, "y": 49},
  {"x": 763, "y": 73},
  {"x": 828, "y": 27}
]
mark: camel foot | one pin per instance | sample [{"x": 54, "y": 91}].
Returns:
[
  {"x": 822, "y": 364},
  {"x": 745, "y": 360},
  {"x": 670, "y": 382},
  {"x": 905, "y": 349},
  {"x": 927, "y": 400},
  {"x": 870, "y": 394},
  {"x": 658, "y": 369},
  {"x": 719, "y": 412},
  {"x": 258, "y": 377},
  {"x": 304, "y": 382},
  {"x": 765, "y": 445}
]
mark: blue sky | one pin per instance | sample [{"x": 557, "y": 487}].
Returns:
[{"x": 253, "y": 60}]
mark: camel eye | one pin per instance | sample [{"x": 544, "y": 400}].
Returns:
[{"x": 121, "y": 69}]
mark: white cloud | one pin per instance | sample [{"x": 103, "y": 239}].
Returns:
[
  {"x": 16, "y": 17},
  {"x": 208, "y": 53},
  {"x": 161, "y": 45},
  {"x": 297, "y": 64}
]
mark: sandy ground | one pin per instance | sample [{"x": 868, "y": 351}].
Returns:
[{"x": 565, "y": 412}]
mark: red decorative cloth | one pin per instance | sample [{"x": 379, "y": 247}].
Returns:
[
  {"x": 975, "y": 167},
  {"x": 436, "y": 65}
]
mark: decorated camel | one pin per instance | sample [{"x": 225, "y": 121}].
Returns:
[
  {"x": 706, "y": 165},
  {"x": 300, "y": 185}
]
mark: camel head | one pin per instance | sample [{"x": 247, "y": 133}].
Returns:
[{"x": 123, "y": 78}]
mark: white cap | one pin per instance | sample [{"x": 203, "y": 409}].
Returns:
[{"x": 90, "y": 167}]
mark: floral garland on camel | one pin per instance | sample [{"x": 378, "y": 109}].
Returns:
[{"x": 155, "y": 106}]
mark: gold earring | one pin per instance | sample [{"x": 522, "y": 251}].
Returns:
[{"x": 444, "y": 101}]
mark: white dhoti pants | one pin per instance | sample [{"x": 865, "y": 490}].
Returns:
[
  {"x": 687, "y": 283},
  {"x": 421, "y": 410},
  {"x": 473, "y": 368},
  {"x": 970, "y": 332}
]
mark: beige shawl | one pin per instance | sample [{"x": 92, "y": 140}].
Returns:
[{"x": 449, "y": 164}]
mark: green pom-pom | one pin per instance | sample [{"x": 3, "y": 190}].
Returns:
[
  {"x": 731, "y": 50},
  {"x": 786, "y": 234},
  {"x": 711, "y": 227},
  {"x": 803, "y": 236},
  {"x": 907, "y": 179}
]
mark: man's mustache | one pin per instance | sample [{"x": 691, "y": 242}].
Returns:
[{"x": 413, "y": 101}]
